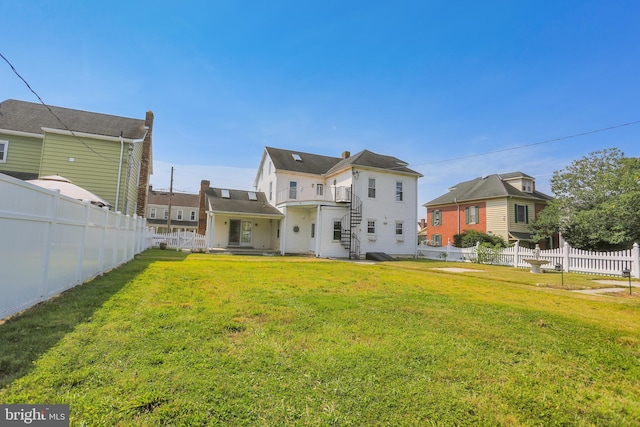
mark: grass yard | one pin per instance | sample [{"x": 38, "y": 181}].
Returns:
[{"x": 171, "y": 339}]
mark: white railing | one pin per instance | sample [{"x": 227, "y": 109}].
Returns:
[
  {"x": 180, "y": 240},
  {"x": 306, "y": 194},
  {"x": 570, "y": 259},
  {"x": 50, "y": 243}
]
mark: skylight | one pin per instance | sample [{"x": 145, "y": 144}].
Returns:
[
  {"x": 225, "y": 194},
  {"x": 252, "y": 195},
  {"x": 296, "y": 157}
]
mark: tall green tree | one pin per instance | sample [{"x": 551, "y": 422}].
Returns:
[{"x": 597, "y": 204}]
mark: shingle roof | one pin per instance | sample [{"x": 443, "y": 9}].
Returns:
[
  {"x": 239, "y": 202},
  {"x": 488, "y": 187},
  {"x": 30, "y": 117},
  {"x": 325, "y": 165},
  {"x": 177, "y": 199},
  {"x": 309, "y": 163},
  {"x": 370, "y": 159}
]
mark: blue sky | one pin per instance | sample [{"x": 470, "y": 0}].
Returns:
[{"x": 425, "y": 81}]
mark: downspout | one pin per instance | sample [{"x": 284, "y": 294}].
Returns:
[{"x": 119, "y": 170}]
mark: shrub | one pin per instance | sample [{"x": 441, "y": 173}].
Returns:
[{"x": 469, "y": 238}]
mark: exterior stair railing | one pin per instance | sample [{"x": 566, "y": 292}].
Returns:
[{"x": 348, "y": 226}]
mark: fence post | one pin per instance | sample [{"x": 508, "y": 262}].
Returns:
[
  {"x": 635, "y": 261},
  {"x": 565, "y": 257},
  {"x": 52, "y": 219},
  {"x": 516, "y": 253}
]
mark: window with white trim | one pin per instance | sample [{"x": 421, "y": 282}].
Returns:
[
  {"x": 4, "y": 147},
  {"x": 436, "y": 217},
  {"x": 372, "y": 188},
  {"x": 270, "y": 190},
  {"x": 399, "y": 192},
  {"x": 337, "y": 230},
  {"x": 522, "y": 214},
  {"x": 319, "y": 189},
  {"x": 436, "y": 240},
  {"x": 166, "y": 214},
  {"x": 399, "y": 227},
  {"x": 180, "y": 214},
  {"x": 371, "y": 226},
  {"x": 152, "y": 213},
  {"x": 471, "y": 214},
  {"x": 192, "y": 217}
]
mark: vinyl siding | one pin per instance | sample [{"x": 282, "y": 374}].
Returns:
[
  {"x": 95, "y": 171},
  {"x": 498, "y": 218},
  {"x": 520, "y": 226},
  {"x": 23, "y": 155}
]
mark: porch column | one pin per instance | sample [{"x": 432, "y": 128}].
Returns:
[
  {"x": 283, "y": 232},
  {"x": 209, "y": 230},
  {"x": 318, "y": 231}
]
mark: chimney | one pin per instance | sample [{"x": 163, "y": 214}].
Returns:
[
  {"x": 346, "y": 154},
  {"x": 202, "y": 212},
  {"x": 145, "y": 167}
]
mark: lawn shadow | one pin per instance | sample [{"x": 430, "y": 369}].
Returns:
[{"x": 26, "y": 336}]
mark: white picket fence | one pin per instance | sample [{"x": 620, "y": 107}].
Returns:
[
  {"x": 50, "y": 243},
  {"x": 570, "y": 259},
  {"x": 180, "y": 240}
]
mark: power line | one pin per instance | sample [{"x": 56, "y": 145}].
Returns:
[
  {"x": 562, "y": 138},
  {"x": 51, "y": 111}
]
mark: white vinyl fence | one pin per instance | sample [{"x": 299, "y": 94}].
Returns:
[
  {"x": 50, "y": 243},
  {"x": 570, "y": 259},
  {"x": 180, "y": 240}
]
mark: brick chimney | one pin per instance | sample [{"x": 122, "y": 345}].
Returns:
[
  {"x": 346, "y": 154},
  {"x": 202, "y": 211},
  {"x": 145, "y": 167}
]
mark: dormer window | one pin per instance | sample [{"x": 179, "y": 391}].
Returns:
[
  {"x": 527, "y": 186},
  {"x": 296, "y": 157}
]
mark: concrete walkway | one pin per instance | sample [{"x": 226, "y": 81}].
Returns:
[{"x": 620, "y": 287}]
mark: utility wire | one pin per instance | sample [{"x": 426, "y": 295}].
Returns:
[
  {"x": 562, "y": 138},
  {"x": 51, "y": 111}
]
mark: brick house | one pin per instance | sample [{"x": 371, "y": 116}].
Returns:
[{"x": 500, "y": 204}]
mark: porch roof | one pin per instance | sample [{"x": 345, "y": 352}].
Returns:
[{"x": 240, "y": 203}]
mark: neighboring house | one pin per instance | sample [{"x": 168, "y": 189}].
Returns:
[
  {"x": 184, "y": 211},
  {"x": 340, "y": 207},
  {"x": 238, "y": 219},
  {"x": 109, "y": 156},
  {"x": 504, "y": 205}
]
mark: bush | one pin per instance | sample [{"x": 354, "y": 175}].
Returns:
[{"x": 469, "y": 238}]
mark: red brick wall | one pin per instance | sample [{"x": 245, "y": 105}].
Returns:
[{"x": 450, "y": 225}]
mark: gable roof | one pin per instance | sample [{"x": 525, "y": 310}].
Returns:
[
  {"x": 238, "y": 202},
  {"x": 177, "y": 199},
  {"x": 325, "y": 165},
  {"x": 488, "y": 187},
  {"x": 370, "y": 159},
  {"x": 31, "y": 117},
  {"x": 309, "y": 163}
]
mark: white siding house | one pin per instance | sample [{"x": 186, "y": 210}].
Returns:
[{"x": 341, "y": 207}]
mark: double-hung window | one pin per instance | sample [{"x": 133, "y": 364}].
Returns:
[
  {"x": 471, "y": 214},
  {"x": 522, "y": 214},
  {"x": 180, "y": 214},
  {"x": 293, "y": 190},
  {"x": 399, "y": 192},
  {"x": 399, "y": 225},
  {"x": 371, "y": 226},
  {"x": 152, "y": 213},
  {"x": 337, "y": 230},
  {"x": 319, "y": 190},
  {"x": 4, "y": 147},
  {"x": 436, "y": 217},
  {"x": 372, "y": 188},
  {"x": 166, "y": 214},
  {"x": 192, "y": 217}
]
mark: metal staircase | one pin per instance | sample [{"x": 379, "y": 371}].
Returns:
[{"x": 349, "y": 223}]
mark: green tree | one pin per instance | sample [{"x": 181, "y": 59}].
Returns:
[{"x": 597, "y": 204}]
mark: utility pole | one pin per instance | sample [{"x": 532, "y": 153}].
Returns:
[{"x": 170, "y": 196}]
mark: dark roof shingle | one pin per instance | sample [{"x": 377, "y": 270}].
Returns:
[{"x": 239, "y": 202}]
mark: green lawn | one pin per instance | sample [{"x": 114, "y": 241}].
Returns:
[{"x": 171, "y": 339}]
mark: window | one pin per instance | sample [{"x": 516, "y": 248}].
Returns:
[
  {"x": 180, "y": 214},
  {"x": 527, "y": 187},
  {"x": 152, "y": 213},
  {"x": 293, "y": 190},
  {"x": 4, "y": 147},
  {"x": 192, "y": 217},
  {"x": 319, "y": 189},
  {"x": 225, "y": 194},
  {"x": 522, "y": 214},
  {"x": 436, "y": 217},
  {"x": 372, "y": 188},
  {"x": 166, "y": 214},
  {"x": 471, "y": 214},
  {"x": 252, "y": 195},
  {"x": 399, "y": 193},
  {"x": 399, "y": 228},
  {"x": 270, "y": 191},
  {"x": 296, "y": 157},
  {"x": 313, "y": 230},
  {"x": 371, "y": 226},
  {"x": 337, "y": 230},
  {"x": 436, "y": 240},
  {"x": 269, "y": 168}
]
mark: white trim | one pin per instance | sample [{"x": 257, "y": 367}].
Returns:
[
  {"x": 5, "y": 151},
  {"x": 20, "y": 133},
  {"x": 93, "y": 135}
]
